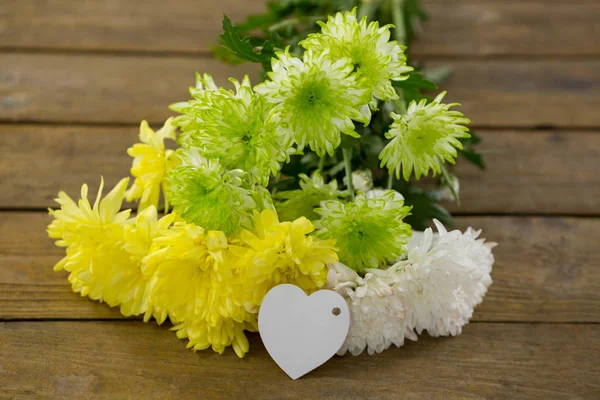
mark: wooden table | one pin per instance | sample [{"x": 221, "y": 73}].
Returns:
[{"x": 77, "y": 77}]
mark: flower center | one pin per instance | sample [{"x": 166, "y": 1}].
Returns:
[{"x": 312, "y": 96}]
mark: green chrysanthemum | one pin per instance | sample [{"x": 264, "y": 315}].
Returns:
[
  {"x": 424, "y": 137},
  {"x": 369, "y": 232},
  {"x": 315, "y": 99},
  {"x": 203, "y": 193},
  {"x": 202, "y": 95},
  {"x": 262, "y": 198},
  {"x": 234, "y": 128},
  {"x": 302, "y": 202},
  {"x": 376, "y": 60}
]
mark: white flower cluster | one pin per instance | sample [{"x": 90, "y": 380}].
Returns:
[{"x": 434, "y": 288}]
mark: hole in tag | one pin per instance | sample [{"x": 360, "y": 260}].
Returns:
[{"x": 336, "y": 311}]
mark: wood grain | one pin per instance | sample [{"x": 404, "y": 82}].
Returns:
[
  {"x": 524, "y": 94},
  {"x": 469, "y": 28},
  {"x": 537, "y": 172},
  {"x": 509, "y": 28},
  {"x": 40, "y": 160},
  {"x": 544, "y": 271},
  {"x": 134, "y": 360},
  {"x": 86, "y": 73},
  {"x": 127, "y": 89},
  {"x": 102, "y": 89},
  {"x": 134, "y": 25}
]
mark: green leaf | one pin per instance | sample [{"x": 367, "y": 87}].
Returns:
[
  {"x": 469, "y": 153},
  {"x": 474, "y": 140},
  {"x": 231, "y": 40},
  {"x": 473, "y": 157},
  {"x": 416, "y": 80},
  {"x": 226, "y": 56},
  {"x": 425, "y": 205},
  {"x": 273, "y": 15},
  {"x": 336, "y": 169},
  {"x": 439, "y": 74},
  {"x": 413, "y": 86},
  {"x": 412, "y": 14},
  {"x": 277, "y": 41},
  {"x": 425, "y": 209}
]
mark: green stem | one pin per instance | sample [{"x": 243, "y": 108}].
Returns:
[
  {"x": 347, "y": 152},
  {"x": 398, "y": 18},
  {"x": 291, "y": 22},
  {"x": 321, "y": 165},
  {"x": 400, "y": 103},
  {"x": 449, "y": 182},
  {"x": 367, "y": 9},
  {"x": 284, "y": 24}
]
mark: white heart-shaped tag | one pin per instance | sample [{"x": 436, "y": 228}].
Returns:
[{"x": 301, "y": 332}]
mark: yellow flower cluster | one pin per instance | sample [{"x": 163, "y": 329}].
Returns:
[
  {"x": 210, "y": 286},
  {"x": 151, "y": 161}
]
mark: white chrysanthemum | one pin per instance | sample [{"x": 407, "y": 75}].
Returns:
[
  {"x": 378, "y": 192},
  {"x": 377, "y": 315},
  {"x": 362, "y": 180},
  {"x": 435, "y": 289},
  {"x": 444, "y": 277}
]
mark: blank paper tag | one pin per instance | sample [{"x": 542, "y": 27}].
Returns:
[{"x": 302, "y": 332}]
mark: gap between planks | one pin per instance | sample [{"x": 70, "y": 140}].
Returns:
[
  {"x": 208, "y": 55},
  {"x": 168, "y": 325}
]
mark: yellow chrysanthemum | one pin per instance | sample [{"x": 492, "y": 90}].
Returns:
[
  {"x": 129, "y": 282},
  {"x": 92, "y": 236},
  {"x": 194, "y": 280},
  {"x": 150, "y": 163},
  {"x": 224, "y": 333},
  {"x": 282, "y": 252}
]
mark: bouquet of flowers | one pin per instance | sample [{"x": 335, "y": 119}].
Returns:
[{"x": 305, "y": 178}]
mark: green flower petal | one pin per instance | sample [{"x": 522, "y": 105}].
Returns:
[
  {"x": 203, "y": 193},
  {"x": 302, "y": 202},
  {"x": 369, "y": 232},
  {"x": 423, "y": 138},
  {"x": 235, "y": 128},
  {"x": 375, "y": 59},
  {"x": 315, "y": 99}
]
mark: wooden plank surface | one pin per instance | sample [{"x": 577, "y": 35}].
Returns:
[
  {"x": 127, "y": 89},
  {"x": 533, "y": 172},
  {"x": 39, "y": 160},
  {"x": 101, "y": 89},
  {"x": 130, "y": 359},
  {"x": 84, "y": 74},
  {"x": 543, "y": 271},
  {"x": 469, "y": 27},
  {"x": 527, "y": 28},
  {"x": 133, "y": 25}
]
